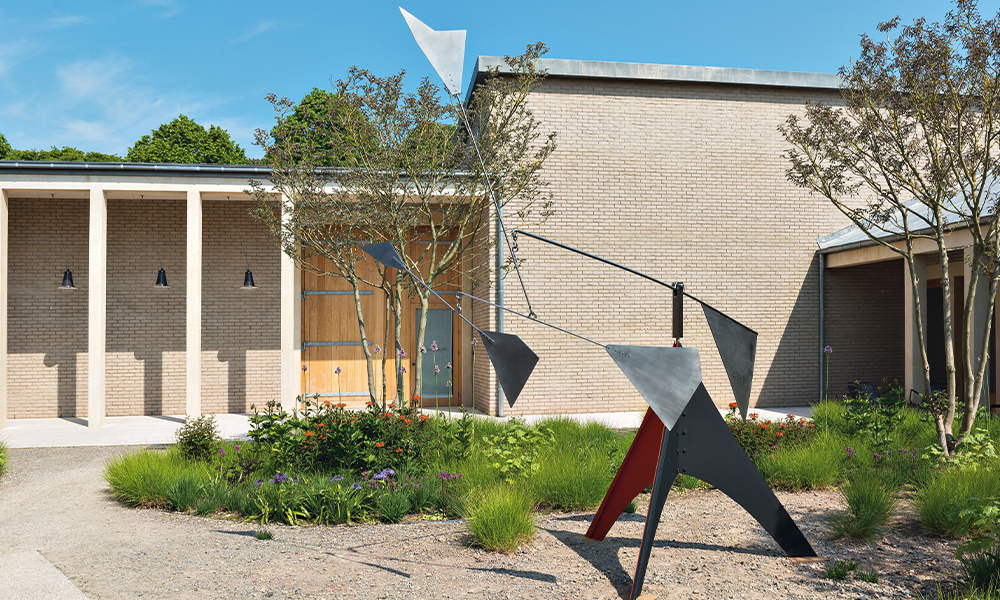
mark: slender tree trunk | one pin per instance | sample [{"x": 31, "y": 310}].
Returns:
[
  {"x": 385, "y": 342},
  {"x": 397, "y": 312},
  {"x": 974, "y": 391},
  {"x": 369, "y": 363},
  {"x": 949, "y": 340},
  {"x": 917, "y": 313}
]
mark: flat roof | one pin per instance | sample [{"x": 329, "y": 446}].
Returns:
[
  {"x": 558, "y": 67},
  {"x": 31, "y": 167}
]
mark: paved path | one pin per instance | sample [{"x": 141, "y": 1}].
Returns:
[{"x": 131, "y": 431}]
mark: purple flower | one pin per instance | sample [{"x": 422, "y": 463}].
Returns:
[
  {"x": 279, "y": 478},
  {"x": 258, "y": 483},
  {"x": 377, "y": 349},
  {"x": 401, "y": 353},
  {"x": 828, "y": 350},
  {"x": 448, "y": 366},
  {"x": 434, "y": 346},
  {"x": 448, "y": 384},
  {"x": 423, "y": 350},
  {"x": 295, "y": 479},
  {"x": 238, "y": 450},
  {"x": 337, "y": 478},
  {"x": 437, "y": 369},
  {"x": 337, "y": 371},
  {"x": 222, "y": 453},
  {"x": 475, "y": 342},
  {"x": 355, "y": 486},
  {"x": 388, "y": 472},
  {"x": 774, "y": 447},
  {"x": 402, "y": 369},
  {"x": 366, "y": 473}
]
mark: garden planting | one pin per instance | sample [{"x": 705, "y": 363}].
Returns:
[{"x": 324, "y": 465}]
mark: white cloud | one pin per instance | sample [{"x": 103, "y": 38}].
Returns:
[
  {"x": 11, "y": 53},
  {"x": 260, "y": 28},
  {"x": 66, "y": 21},
  {"x": 167, "y": 8}
]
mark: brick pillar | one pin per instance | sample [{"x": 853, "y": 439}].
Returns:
[
  {"x": 291, "y": 325},
  {"x": 193, "y": 304},
  {"x": 914, "y": 366},
  {"x": 4, "y": 218}
]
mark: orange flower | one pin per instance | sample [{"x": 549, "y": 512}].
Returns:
[
  {"x": 424, "y": 417},
  {"x": 321, "y": 425},
  {"x": 326, "y": 402},
  {"x": 763, "y": 425},
  {"x": 781, "y": 434},
  {"x": 790, "y": 416},
  {"x": 309, "y": 434},
  {"x": 379, "y": 444},
  {"x": 754, "y": 415},
  {"x": 369, "y": 403},
  {"x": 733, "y": 405},
  {"x": 407, "y": 421},
  {"x": 782, "y": 426},
  {"x": 811, "y": 426},
  {"x": 802, "y": 419},
  {"x": 399, "y": 450},
  {"x": 341, "y": 405}
]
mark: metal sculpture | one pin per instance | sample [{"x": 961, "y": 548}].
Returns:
[{"x": 682, "y": 427}]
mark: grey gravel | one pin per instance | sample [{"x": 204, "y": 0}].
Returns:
[{"x": 55, "y": 501}]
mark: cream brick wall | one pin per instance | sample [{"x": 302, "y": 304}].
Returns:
[
  {"x": 687, "y": 183},
  {"x": 47, "y": 347}
]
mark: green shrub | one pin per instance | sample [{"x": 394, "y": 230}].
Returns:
[
  {"x": 326, "y": 437},
  {"x": 867, "y": 576},
  {"x": 568, "y": 481},
  {"x": 514, "y": 450},
  {"x": 500, "y": 518},
  {"x": 393, "y": 506},
  {"x": 936, "y": 501},
  {"x": 183, "y": 492},
  {"x": 760, "y": 438},
  {"x": 263, "y": 534},
  {"x": 870, "y": 503},
  {"x": 815, "y": 465},
  {"x": 981, "y": 572},
  {"x": 198, "y": 439},
  {"x": 142, "y": 478},
  {"x": 840, "y": 569},
  {"x": 3, "y": 458}
]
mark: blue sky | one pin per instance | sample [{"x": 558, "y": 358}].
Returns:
[{"x": 97, "y": 75}]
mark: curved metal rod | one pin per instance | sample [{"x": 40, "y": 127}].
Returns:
[
  {"x": 535, "y": 319},
  {"x": 516, "y": 232},
  {"x": 438, "y": 296}
]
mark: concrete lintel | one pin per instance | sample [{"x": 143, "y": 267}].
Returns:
[
  {"x": 97, "y": 309},
  {"x": 878, "y": 253},
  {"x": 193, "y": 303}
]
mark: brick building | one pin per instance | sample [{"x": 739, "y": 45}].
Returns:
[{"x": 674, "y": 171}]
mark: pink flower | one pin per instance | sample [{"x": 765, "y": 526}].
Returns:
[
  {"x": 434, "y": 346},
  {"x": 475, "y": 342},
  {"x": 402, "y": 369},
  {"x": 437, "y": 369},
  {"x": 401, "y": 353},
  {"x": 448, "y": 366},
  {"x": 423, "y": 350},
  {"x": 337, "y": 371},
  {"x": 377, "y": 349}
]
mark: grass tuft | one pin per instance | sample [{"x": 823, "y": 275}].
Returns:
[
  {"x": 500, "y": 518},
  {"x": 839, "y": 570},
  {"x": 936, "y": 501},
  {"x": 867, "y": 576},
  {"x": 3, "y": 458},
  {"x": 143, "y": 478},
  {"x": 393, "y": 506},
  {"x": 263, "y": 534},
  {"x": 816, "y": 465},
  {"x": 870, "y": 503}
]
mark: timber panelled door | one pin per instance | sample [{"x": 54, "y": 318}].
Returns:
[{"x": 331, "y": 339}]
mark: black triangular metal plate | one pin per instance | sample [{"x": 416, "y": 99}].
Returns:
[
  {"x": 513, "y": 361},
  {"x": 737, "y": 346},
  {"x": 665, "y": 377},
  {"x": 385, "y": 253}
]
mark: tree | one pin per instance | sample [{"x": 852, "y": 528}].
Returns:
[
  {"x": 913, "y": 153},
  {"x": 408, "y": 175},
  {"x": 5, "y": 148},
  {"x": 184, "y": 141},
  {"x": 65, "y": 153}
]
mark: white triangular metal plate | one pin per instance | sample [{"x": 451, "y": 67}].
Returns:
[{"x": 445, "y": 50}]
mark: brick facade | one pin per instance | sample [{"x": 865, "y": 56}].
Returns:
[
  {"x": 685, "y": 181},
  {"x": 47, "y": 336}
]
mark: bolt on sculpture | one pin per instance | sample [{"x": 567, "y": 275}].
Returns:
[{"x": 682, "y": 427}]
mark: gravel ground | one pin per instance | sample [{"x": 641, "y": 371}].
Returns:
[{"x": 54, "y": 500}]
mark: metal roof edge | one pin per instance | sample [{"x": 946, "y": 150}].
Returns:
[
  {"x": 22, "y": 167},
  {"x": 557, "y": 67}
]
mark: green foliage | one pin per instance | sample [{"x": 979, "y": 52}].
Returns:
[
  {"x": 318, "y": 132},
  {"x": 870, "y": 503},
  {"x": 876, "y": 419},
  {"x": 761, "y": 438},
  {"x": 62, "y": 154},
  {"x": 184, "y": 491},
  {"x": 867, "y": 576},
  {"x": 979, "y": 555},
  {"x": 500, "y": 518},
  {"x": 198, "y": 439},
  {"x": 936, "y": 500},
  {"x": 324, "y": 436},
  {"x": 840, "y": 569},
  {"x": 393, "y": 506},
  {"x": 981, "y": 572},
  {"x": 263, "y": 534},
  {"x": 142, "y": 478},
  {"x": 631, "y": 507},
  {"x": 975, "y": 450},
  {"x": 5, "y": 149},
  {"x": 184, "y": 141},
  {"x": 568, "y": 481},
  {"x": 816, "y": 465},
  {"x": 3, "y": 458},
  {"x": 514, "y": 451}
]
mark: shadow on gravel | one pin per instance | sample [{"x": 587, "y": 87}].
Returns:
[
  {"x": 535, "y": 575},
  {"x": 242, "y": 533},
  {"x": 603, "y": 555}
]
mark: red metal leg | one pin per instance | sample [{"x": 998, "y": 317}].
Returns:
[{"x": 636, "y": 473}]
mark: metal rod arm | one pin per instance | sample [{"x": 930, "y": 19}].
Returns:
[
  {"x": 438, "y": 296},
  {"x": 517, "y": 232},
  {"x": 530, "y": 318}
]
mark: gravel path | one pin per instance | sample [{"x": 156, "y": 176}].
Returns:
[{"x": 54, "y": 500}]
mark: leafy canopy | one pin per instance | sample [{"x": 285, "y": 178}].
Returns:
[{"x": 184, "y": 141}]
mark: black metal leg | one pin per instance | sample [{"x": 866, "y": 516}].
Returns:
[
  {"x": 709, "y": 452},
  {"x": 666, "y": 472}
]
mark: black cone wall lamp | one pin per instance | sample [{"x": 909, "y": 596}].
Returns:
[
  {"x": 67, "y": 282},
  {"x": 248, "y": 283},
  {"x": 161, "y": 279}
]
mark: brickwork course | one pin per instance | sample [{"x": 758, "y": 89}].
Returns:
[{"x": 686, "y": 182}]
